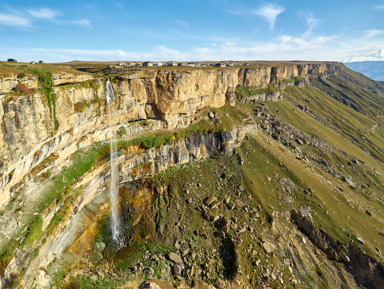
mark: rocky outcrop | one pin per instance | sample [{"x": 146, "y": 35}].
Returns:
[
  {"x": 35, "y": 126},
  {"x": 366, "y": 270},
  {"x": 136, "y": 163},
  {"x": 7, "y": 84},
  {"x": 67, "y": 78}
]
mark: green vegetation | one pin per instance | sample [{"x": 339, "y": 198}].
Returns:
[
  {"x": 304, "y": 153},
  {"x": 82, "y": 162},
  {"x": 135, "y": 252},
  {"x": 21, "y": 75},
  {"x": 34, "y": 254},
  {"x": 246, "y": 91},
  {"x": 88, "y": 283},
  {"x": 46, "y": 84},
  {"x": 24, "y": 69},
  {"x": 121, "y": 131},
  {"x": 85, "y": 84},
  {"x": 34, "y": 231},
  {"x": 6, "y": 256},
  {"x": 55, "y": 221},
  {"x": 288, "y": 80},
  {"x": 299, "y": 79},
  {"x": 81, "y": 106}
]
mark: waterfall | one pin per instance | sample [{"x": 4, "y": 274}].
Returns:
[{"x": 114, "y": 188}]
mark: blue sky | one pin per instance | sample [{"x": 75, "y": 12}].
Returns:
[{"x": 56, "y": 31}]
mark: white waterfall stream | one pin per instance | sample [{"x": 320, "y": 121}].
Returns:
[{"x": 114, "y": 187}]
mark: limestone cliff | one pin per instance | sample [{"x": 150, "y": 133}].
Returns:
[
  {"x": 227, "y": 217},
  {"x": 31, "y": 129}
]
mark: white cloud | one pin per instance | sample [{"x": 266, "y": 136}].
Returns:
[
  {"x": 44, "y": 13},
  {"x": 270, "y": 13},
  {"x": 312, "y": 23},
  {"x": 14, "y": 20},
  {"x": 81, "y": 22},
  {"x": 379, "y": 8},
  {"x": 25, "y": 18},
  {"x": 365, "y": 55},
  {"x": 373, "y": 32},
  {"x": 285, "y": 47},
  {"x": 182, "y": 23},
  {"x": 119, "y": 5}
]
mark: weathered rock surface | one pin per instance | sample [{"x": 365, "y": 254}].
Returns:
[
  {"x": 30, "y": 132},
  {"x": 366, "y": 270}
]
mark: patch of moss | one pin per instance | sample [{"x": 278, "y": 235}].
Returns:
[
  {"x": 34, "y": 231},
  {"x": 246, "y": 91},
  {"x": 46, "y": 85}
]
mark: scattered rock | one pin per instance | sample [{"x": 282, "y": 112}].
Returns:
[
  {"x": 220, "y": 284},
  {"x": 101, "y": 274},
  {"x": 230, "y": 206},
  {"x": 303, "y": 107},
  {"x": 177, "y": 269},
  {"x": 96, "y": 257},
  {"x": 349, "y": 181},
  {"x": 345, "y": 258},
  {"x": 239, "y": 204},
  {"x": 149, "y": 285},
  {"x": 305, "y": 212},
  {"x": 175, "y": 258},
  {"x": 149, "y": 272},
  {"x": 211, "y": 115},
  {"x": 361, "y": 240},
  {"x": 100, "y": 246},
  {"x": 269, "y": 247},
  {"x": 210, "y": 200}
]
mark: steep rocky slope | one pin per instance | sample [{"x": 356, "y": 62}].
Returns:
[{"x": 269, "y": 175}]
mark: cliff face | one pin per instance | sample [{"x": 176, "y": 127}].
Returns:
[
  {"x": 227, "y": 217},
  {"x": 135, "y": 163},
  {"x": 29, "y": 132}
]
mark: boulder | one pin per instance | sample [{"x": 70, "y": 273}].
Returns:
[
  {"x": 96, "y": 257},
  {"x": 360, "y": 240},
  {"x": 175, "y": 258},
  {"x": 269, "y": 247},
  {"x": 149, "y": 285},
  {"x": 210, "y": 200},
  {"x": 177, "y": 268}
]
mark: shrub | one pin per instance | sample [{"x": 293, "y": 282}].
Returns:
[
  {"x": 271, "y": 89},
  {"x": 21, "y": 75},
  {"x": 85, "y": 84},
  {"x": 80, "y": 106},
  {"x": 121, "y": 131},
  {"x": 246, "y": 91},
  {"x": 22, "y": 88},
  {"x": 34, "y": 231}
]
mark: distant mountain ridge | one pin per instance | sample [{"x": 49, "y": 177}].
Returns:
[{"x": 372, "y": 69}]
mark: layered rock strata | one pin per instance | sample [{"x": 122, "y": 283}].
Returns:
[
  {"x": 79, "y": 227},
  {"x": 31, "y": 129}
]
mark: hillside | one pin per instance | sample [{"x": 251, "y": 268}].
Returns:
[{"x": 267, "y": 176}]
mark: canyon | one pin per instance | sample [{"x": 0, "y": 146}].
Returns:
[{"x": 55, "y": 171}]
